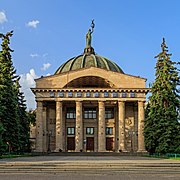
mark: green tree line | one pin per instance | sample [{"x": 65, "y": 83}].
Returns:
[
  {"x": 14, "y": 120},
  {"x": 162, "y": 126}
]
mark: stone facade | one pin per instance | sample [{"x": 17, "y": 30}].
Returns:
[
  {"x": 109, "y": 117},
  {"x": 90, "y": 104}
]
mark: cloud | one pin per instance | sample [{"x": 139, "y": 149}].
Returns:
[
  {"x": 34, "y": 55},
  {"x": 27, "y": 82},
  {"x": 2, "y": 17},
  {"x": 48, "y": 74},
  {"x": 45, "y": 66},
  {"x": 33, "y": 23}
]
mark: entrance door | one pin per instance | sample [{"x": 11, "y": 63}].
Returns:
[
  {"x": 109, "y": 144},
  {"x": 90, "y": 143},
  {"x": 71, "y": 143}
]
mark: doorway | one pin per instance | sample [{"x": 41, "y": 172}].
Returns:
[
  {"x": 71, "y": 143},
  {"x": 90, "y": 143},
  {"x": 109, "y": 144}
]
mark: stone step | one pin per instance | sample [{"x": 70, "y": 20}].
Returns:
[
  {"x": 95, "y": 169},
  {"x": 98, "y": 154}
]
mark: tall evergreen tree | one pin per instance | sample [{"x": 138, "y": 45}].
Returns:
[
  {"x": 23, "y": 120},
  {"x": 162, "y": 129},
  {"x": 8, "y": 96},
  {"x": 1, "y": 141}
]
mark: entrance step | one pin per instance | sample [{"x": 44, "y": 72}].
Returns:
[{"x": 98, "y": 154}]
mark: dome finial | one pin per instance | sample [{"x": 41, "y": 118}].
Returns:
[
  {"x": 89, "y": 49},
  {"x": 88, "y": 35}
]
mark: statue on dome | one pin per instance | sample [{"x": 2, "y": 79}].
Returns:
[{"x": 88, "y": 35}]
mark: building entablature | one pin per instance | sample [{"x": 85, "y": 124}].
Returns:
[
  {"x": 93, "y": 94},
  {"x": 119, "y": 90}
]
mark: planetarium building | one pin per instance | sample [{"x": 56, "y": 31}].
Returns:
[{"x": 90, "y": 104}]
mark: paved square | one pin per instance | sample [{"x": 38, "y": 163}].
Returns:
[{"x": 89, "y": 167}]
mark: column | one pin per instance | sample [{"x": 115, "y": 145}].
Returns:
[
  {"x": 79, "y": 127},
  {"x": 101, "y": 128},
  {"x": 141, "y": 147},
  {"x": 39, "y": 127},
  {"x": 44, "y": 125},
  {"x": 121, "y": 115},
  {"x": 59, "y": 127}
]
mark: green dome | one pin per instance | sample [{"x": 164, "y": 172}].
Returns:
[{"x": 88, "y": 60}]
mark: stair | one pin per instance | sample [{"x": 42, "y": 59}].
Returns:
[{"x": 98, "y": 154}]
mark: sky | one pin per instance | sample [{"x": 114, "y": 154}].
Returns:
[{"x": 47, "y": 33}]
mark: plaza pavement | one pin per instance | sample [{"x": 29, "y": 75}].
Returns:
[{"x": 89, "y": 167}]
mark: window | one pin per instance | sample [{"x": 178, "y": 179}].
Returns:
[
  {"x": 61, "y": 94},
  {"x": 88, "y": 94},
  {"x": 106, "y": 94},
  {"x": 109, "y": 113},
  {"x": 51, "y": 94},
  {"x": 114, "y": 94},
  {"x": 78, "y": 94},
  {"x": 109, "y": 131},
  {"x": 96, "y": 94},
  {"x": 70, "y": 130},
  {"x": 71, "y": 113},
  {"x": 90, "y": 113},
  {"x": 90, "y": 130},
  {"x": 123, "y": 94},
  {"x": 132, "y": 94},
  {"x": 70, "y": 94}
]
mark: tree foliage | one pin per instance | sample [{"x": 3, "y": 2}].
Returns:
[
  {"x": 162, "y": 129},
  {"x": 1, "y": 141},
  {"x": 32, "y": 117},
  {"x": 12, "y": 105}
]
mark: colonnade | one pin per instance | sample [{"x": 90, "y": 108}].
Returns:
[{"x": 60, "y": 127}]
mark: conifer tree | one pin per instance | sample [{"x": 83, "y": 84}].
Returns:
[
  {"x": 162, "y": 129},
  {"x": 1, "y": 141},
  {"x": 23, "y": 120},
  {"x": 8, "y": 96}
]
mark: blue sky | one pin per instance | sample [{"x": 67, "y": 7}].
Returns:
[{"x": 49, "y": 32}]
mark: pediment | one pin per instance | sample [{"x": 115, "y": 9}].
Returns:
[{"x": 116, "y": 79}]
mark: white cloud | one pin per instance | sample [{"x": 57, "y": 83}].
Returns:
[
  {"x": 27, "y": 82},
  {"x": 2, "y": 17},
  {"x": 33, "y": 23},
  {"x": 48, "y": 74},
  {"x": 45, "y": 66},
  {"x": 34, "y": 55}
]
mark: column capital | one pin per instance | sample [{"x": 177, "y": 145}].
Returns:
[
  {"x": 121, "y": 102},
  {"x": 58, "y": 100},
  {"x": 58, "y": 103},
  {"x": 79, "y": 101},
  {"x": 101, "y": 103},
  {"x": 39, "y": 103},
  {"x": 141, "y": 101}
]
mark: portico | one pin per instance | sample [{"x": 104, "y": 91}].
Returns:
[{"x": 90, "y": 123}]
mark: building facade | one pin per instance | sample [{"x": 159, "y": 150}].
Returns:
[{"x": 90, "y": 104}]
